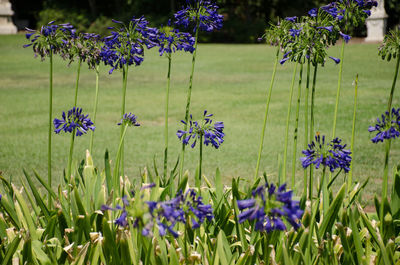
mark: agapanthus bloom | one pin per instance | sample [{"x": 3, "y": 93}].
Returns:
[
  {"x": 201, "y": 13},
  {"x": 125, "y": 45},
  {"x": 212, "y": 133},
  {"x": 129, "y": 119},
  {"x": 50, "y": 38},
  {"x": 74, "y": 120},
  {"x": 163, "y": 214},
  {"x": 180, "y": 209},
  {"x": 332, "y": 154},
  {"x": 171, "y": 40},
  {"x": 269, "y": 206},
  {"x": 388, "y": 127},
  {"x": 391, "y": 45}
]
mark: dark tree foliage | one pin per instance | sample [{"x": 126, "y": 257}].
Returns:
[{"x": 244, "y": 20}]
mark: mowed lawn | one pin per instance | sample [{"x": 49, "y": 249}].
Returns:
[{"x": 230, "y": 81}]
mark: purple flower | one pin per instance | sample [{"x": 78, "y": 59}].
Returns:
[
  {"x": 332, "y": 155},
  {"x": 330, "y": 28},
  {"x": 129, "y": 119},
  {"x": 51, "y": 38},
  {"x": 388, "y": 127},
  {"x": 171, "y": 40},
  {"x": 294, "y": 32},
  {"x": 211, "y": 133},
  {"x": 74, "y": 120},
  {"x": 291, "y": 19},
  {"x": 268, "y": 206},
  {"x": 125, "y": 45},
  {"x": 345, "y": 37},
  {"x": 336, "y": 60},
  {"x": 202, "y": 13},
  {"x": 313, "y": 12}
]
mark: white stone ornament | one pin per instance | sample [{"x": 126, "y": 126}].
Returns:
[
  {"x": 6, "y": 24},
  {"x": 376, "y": 23}
]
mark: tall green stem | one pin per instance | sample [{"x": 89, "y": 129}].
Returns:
[
  {"x": 96, "y": 101},
  {"x": 287, "y": 122},
  {"x": 71, "y": 151},
  {"x": 353, "y": 131},
  {"x": 78, "y": 73},
  {"x": 189, "y": 95},
  {"x": 198, "y": 180},
  {"x": 124, "y": 82},
  {"x": 388, "y": 144},
  {"x": 306, "y": 123},
  {"x": 118, "y": 160},
  {"x": 266, "y": 113},
  {"x": 166, "y": 118},
  {"x": 312, "y": 116},
  {"x": 338, "y": 90},
  {"x": 50, "y": 124},
  {"x": 393, "y": 85},
  {"x": 296, "y": 132}
]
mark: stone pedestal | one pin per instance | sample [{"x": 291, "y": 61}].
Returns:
[
  {"x": 376, "y": 23},
  {"x": 6, "y": 24}
]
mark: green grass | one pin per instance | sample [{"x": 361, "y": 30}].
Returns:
[{"x": 230, "y": 81}]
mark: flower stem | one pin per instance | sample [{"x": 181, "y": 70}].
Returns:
[
  {"x": 287, "y": 123},
  {"x": 350, "y": 177},
  {"x": 118, "y": 161},
  {"x": 393, "y": 85},
  {"x": 189, "y": 95},
  {"x": 306, "y": 124},
  {"x": 312, "y": 116},
  {"x": 50, "y": 124},
  {"x": 124, "y": 82},
  {"x": 96, "y": 101},
  {"x": 166, "y": 119},
  {"x": 71, "y": 151},
  {"x": 296, "y": 132},
  {"x": 78, "y": 73},
  {"x": 338, "y": 90},
  {"x": 266, "y": 113},
  {"x": 198, "y": 180}
]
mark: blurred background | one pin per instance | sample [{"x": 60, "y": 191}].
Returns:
[{"x": 244, "y": 20}]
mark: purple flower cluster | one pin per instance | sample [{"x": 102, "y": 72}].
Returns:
[
  {"x": 202, "y": 13},
  {"x": 388, "y": 127},
  {"x": 269, "y": 206},
  {"x": 129, "y": 119},
  {"x": 170, "y": 40},
  {"x": 212, "y": 133},
  {"x": 183, "y": 208},
  {"x": 74, "y": 120},
  {"x": 50, "y": 38},
  {"x": 125, "y": 45},
  {"x": 332, "y": 154}
]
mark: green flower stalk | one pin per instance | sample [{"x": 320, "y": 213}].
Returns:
[
  {"x": 295, "y": 134},
  {"x": 306, "y": 125},
  {"x": 353, "y": 131},
  {"x": 260, "y": 148},
  {"x": 171, "y": 40},
  {"x": 203, "y": 15},
  {"x": 96, "y": 101},
  {"x": 389, "y": 49},
  {"x": 128, "y": 119},
  {"x": 46, "y": 42},
  {"x": 287, "y": 124}
]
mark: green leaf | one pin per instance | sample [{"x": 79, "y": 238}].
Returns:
[
  {"x": 219, "y": 188},
  {"x": 37, "y": 196},
  {"x": 11, "y": 250},
  {"x": 220, "y": 249},
  {"x": 345, "y": 244},
  {"x": 377, "y": 238},
  {"x": 330, "y": 216},
  {"x": 395, "y": 201},
  {"x": 356, "y": 237},
  {"x": 27, "y": 214},
  {"x": 45, "y": 185},
  {"x": 107, "y": 170},
  {"x": 39, "y": 253}
]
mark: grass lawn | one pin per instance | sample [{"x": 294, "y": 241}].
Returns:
[{"x": 230, "y": 81}]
